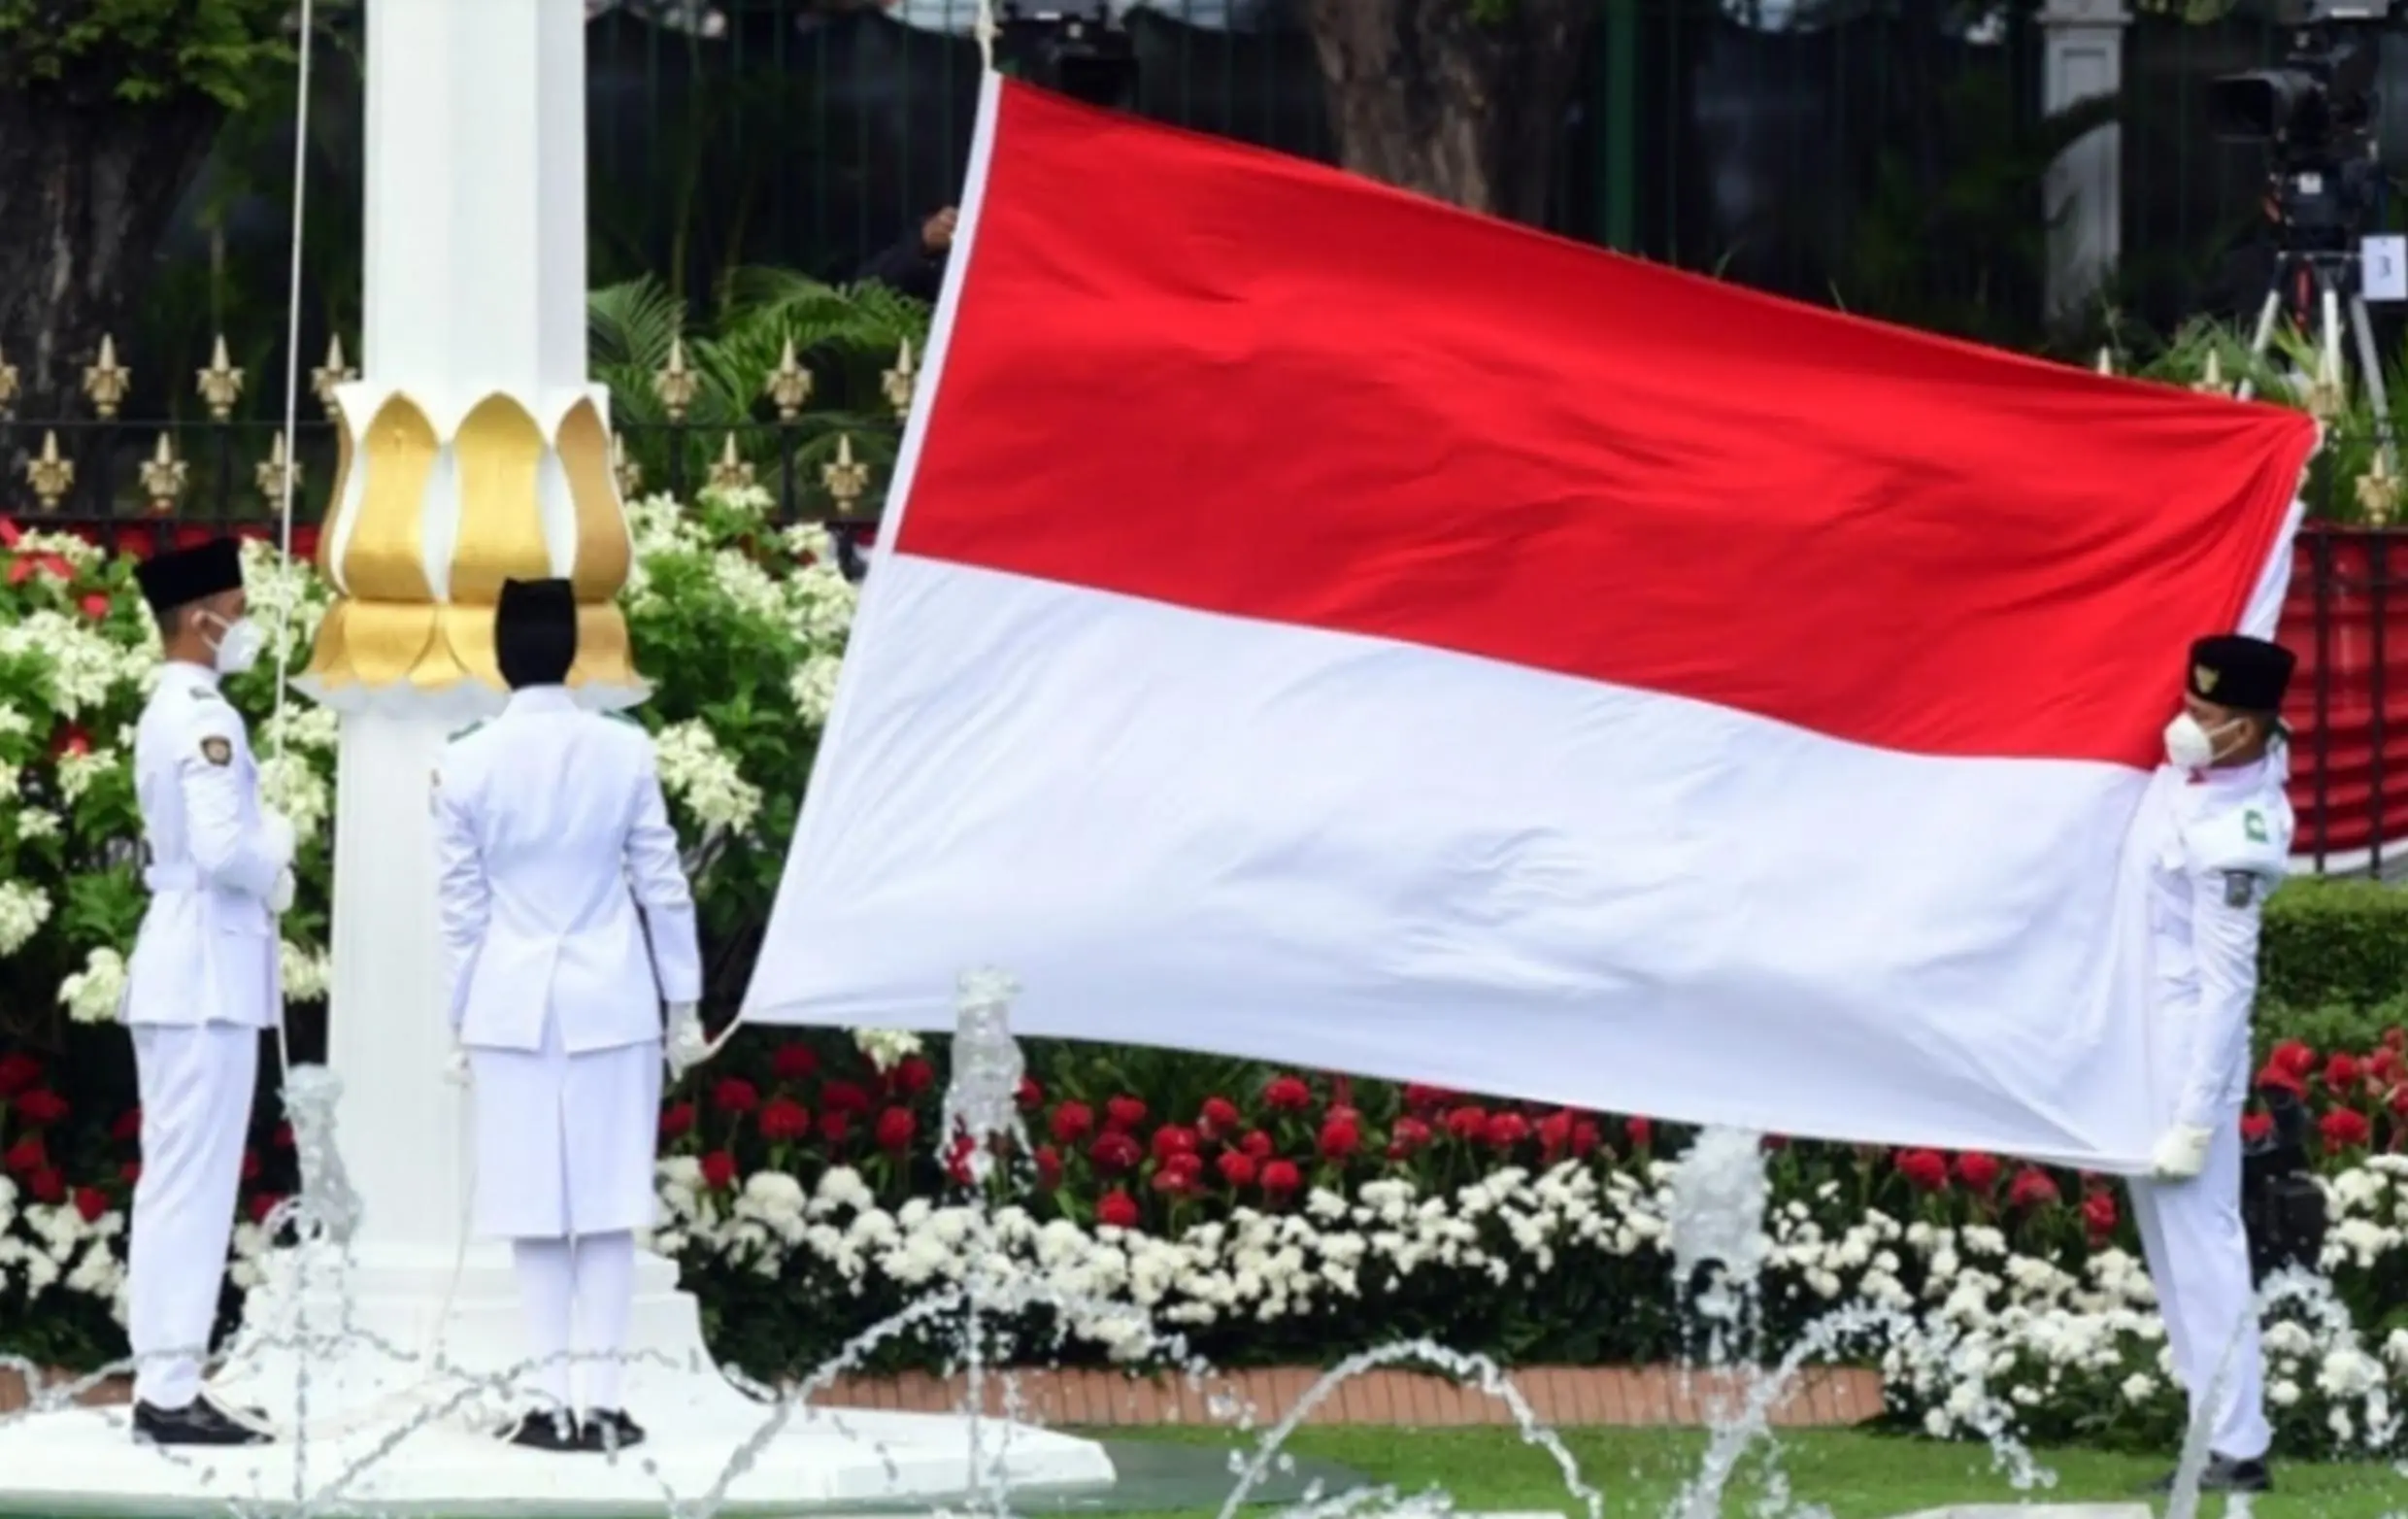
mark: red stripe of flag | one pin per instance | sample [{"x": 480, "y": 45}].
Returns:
[{"x": 1195, "y": 372}]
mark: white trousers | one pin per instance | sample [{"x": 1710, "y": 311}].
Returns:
[
  {"x": 588, "y": 1283},
  {"x": 2198, "y": 1259},
  {"x": 195, "y": 1087}
]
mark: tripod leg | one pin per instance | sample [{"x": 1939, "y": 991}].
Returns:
[{"x": 2363, "y": 327}]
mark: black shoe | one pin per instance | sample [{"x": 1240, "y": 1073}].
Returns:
[
  {"x": 610, "y": 1430},
  {"x": 2223, "y": 1475},
  {"x": 543, "y": 1430},
  {"x": 199, "y": 1422}
]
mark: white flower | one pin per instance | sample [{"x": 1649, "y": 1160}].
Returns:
[
  {"x": 77, "y": 772},
  {"x": 814, "y": 687},
  {"x": 306, "y": 972},
  {"x": 91, "y": 994},
  {"x": 887, "y": 1048},
  {"x": 694, "y": 771},
  {"x": 23, "y": 909},
  {"x": 289, "y": 784},
  {"x": 2139, "y": 1388},
  {"x": 37, "y": 823},
  {"x": 2283, "y": 1393}
]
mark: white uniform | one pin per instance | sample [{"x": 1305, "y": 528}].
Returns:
[
  {"x": 2216, "y": 844},
  {"x": 552, "y": 832},
  {"x": 202, "y": 983}
]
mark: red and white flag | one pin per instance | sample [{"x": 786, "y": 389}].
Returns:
[{"x": 1318, "y": 625}]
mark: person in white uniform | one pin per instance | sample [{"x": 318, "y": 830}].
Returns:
[
  {"x": 557, "y": 855},
  {"x": 2218, "y": 829},
  {"x": 202, "y": 984}
]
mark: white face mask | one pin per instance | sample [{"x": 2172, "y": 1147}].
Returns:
[
  {"x": 2190, "y": 745},
  {"x": 238, "y": 644}
]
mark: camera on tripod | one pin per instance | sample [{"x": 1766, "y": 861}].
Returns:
[
  {"x": 2316, "y": 113},
  {"x": 1076, "y": 50}
]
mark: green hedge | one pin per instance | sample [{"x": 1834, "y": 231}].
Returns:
[{"x": 2335, "y": 962}]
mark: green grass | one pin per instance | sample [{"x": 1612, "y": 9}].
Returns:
[{"x": 1854, "y": 1475}]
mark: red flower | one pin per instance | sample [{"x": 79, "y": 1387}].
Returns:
[
  {"x": 2398, "y": 1102},
  {"x": 2280, "y": 1077},
  {"x": 2098, "y": 1213},
  {"x": 2342, "y": 1072},
  {"x": 1072, "y": 1122},
  {"x": 719, "y": 1171},
  {"x": 41, "y": 1105},
  {"x": 1505, "y": 1130},
  {"x": 1406, "y": 1136},
  {"x": 1123, "y": 1112},
  {"x": 17, "y": 1072},
  {"x": 2387, "y": 1065},
  {"x": 130, "y": 1172},
  {"x": 46, "y": 1186},
  {"x": 72, "y": 740},
  {"x": 91, "y": 1203},
  {"x": 1181, "y": 1174},
  {"x": 26, "y": 1156},
  {"x": 1585, "y": 1138},
  {"x": 251, "y": 1166},
  {"x": 1422, "y": 1099},
  {"x": 1925, "y": 1170},
  {"x": 95, "y": 606},
  {"x": 2293, "y": 1056},
  {"x": 1281, "y": 1180},
  {"x": 1031, "y": 1095},
  {"x": 1218, "y": 1118},
  {"x": 1113, "y": 1151},
  {"x": 844, "y": 1097},
  {"x": 1049, "y": 1167},
  {"x": 1467, "y": 1123},
  {"x": 1554, "y": 1132},
  {"x": 676, "y": 1119},
  {"x": 2395, "y": 1039},
  {"x": 835, "y": 1125},
  {"x": 1117, "y": 1210},
  {"x": 794, "y": 1062},
  {"x": 263, "y": 1203},
  {"x": 1340, "y": 1138},
  {"x": 895, "y": 1127},
  {"x": 2032, "y": 1188},
  {"x": 2257, "y": 1126},
  {"x": 1257, "y": 1144},
  {"x": 1237, "y": 1167},
  {"x": 912, "y": 1075},
  {"x": 128, "y": 1126},
  {"x": 1641, "y": 1130},
  {"x": 735, "y": 1094},
  {"x": 2344, "y": 1129},
  {"x": 1171, "y": 1139},
  {"x": 1978, "y": 1170},
  {"x": 783, "y": 1120},
  {"x": 1288, "y": 1094}
]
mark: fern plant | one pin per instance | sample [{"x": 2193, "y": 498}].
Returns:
[{"x": 847, "y": 338}]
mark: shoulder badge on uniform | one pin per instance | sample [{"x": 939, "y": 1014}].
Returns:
[
  {"x": 2253, "y": 824},
  {"x": 2240, "y": 887},
  {"x": 217, "y": 750}
]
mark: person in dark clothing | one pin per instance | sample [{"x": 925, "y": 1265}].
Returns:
[{"x": 916, "y": 264}]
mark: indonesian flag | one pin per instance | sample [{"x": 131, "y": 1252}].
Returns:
[{"x": 1317, "y": 625}]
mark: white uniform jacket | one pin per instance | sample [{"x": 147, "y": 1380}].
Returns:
[
  {"x": 551, "y": 833},
  {"x": 2221, "y": 842},
  {"x": 206, "y": 952}
]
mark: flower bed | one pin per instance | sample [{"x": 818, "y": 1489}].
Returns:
[{"x": 1272, "y": 1218}]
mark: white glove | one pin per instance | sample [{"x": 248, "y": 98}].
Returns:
[
  {"x": 280, "y": 897},
  {"x": 455, "y": 1067},
  {"x": 686, "y": 1047},
  {"x": 2181, "y": 1154},
  {"x": 279, "y": 830}
]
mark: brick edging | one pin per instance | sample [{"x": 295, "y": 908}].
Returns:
[{"x": 1619, "y": 1395}]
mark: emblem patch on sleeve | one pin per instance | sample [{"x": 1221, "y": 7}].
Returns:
[
  {"x": 217, "y": 750},
  {"x": 2254, "y": 824},
  {"x": 2240, "y": 888}
]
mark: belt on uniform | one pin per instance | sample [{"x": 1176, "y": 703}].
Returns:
[{"x": 170, "y": 878}]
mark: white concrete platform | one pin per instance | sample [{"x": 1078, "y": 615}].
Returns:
[{"x": 391, "y": 1430}]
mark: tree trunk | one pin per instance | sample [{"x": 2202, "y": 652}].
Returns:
[
  {"x": 86, "y": 190},
  {"x": 1426, "y": 96}
]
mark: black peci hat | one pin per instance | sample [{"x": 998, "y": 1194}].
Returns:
[
  {"x": 174, "y": 580},
  {"x": 2244, "y": 674},
  {"x": 535, "y": 631}
]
